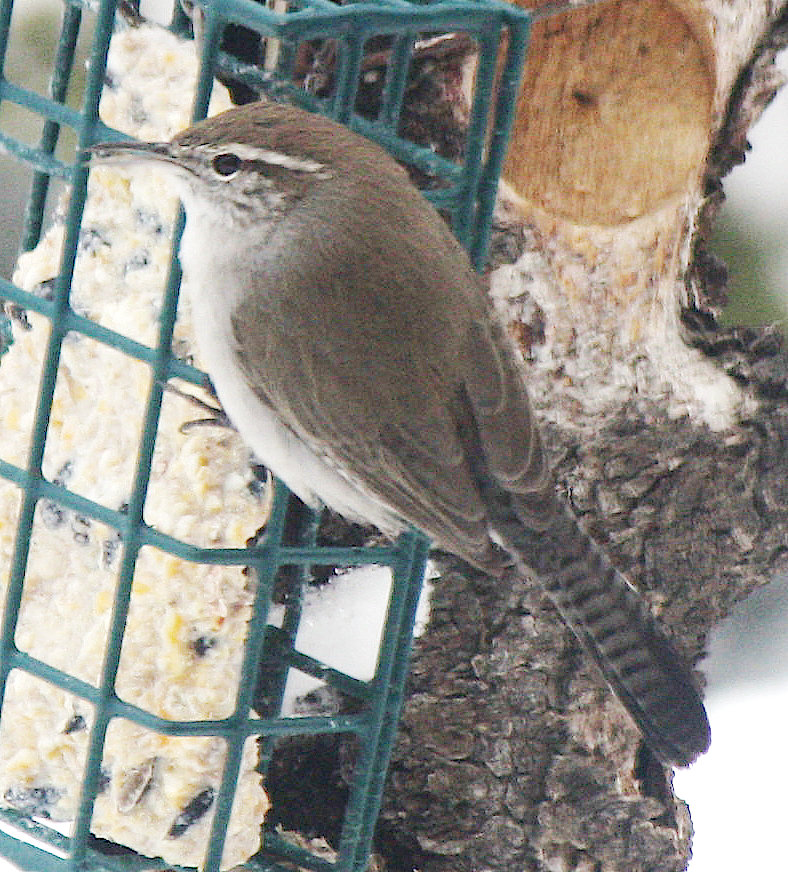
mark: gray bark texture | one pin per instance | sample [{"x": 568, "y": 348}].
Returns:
[
  {"x": 513, "y": 755},
  {"x": 668, "y": 435}
]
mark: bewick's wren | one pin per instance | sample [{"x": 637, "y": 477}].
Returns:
[{"x": 354, "y": 348}]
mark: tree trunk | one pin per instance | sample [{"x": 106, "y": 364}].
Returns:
[{"x": 667, "y": 432}]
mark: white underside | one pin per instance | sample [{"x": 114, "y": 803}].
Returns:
[{"x": 305, "y": 472}]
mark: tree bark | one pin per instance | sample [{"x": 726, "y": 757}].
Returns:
[{"x": 668, "y": 434}]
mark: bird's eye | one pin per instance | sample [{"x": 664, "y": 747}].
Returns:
[{"x": 226, "y": 164}]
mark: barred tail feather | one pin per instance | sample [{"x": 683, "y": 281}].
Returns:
[{"x": 614, "y": 625}]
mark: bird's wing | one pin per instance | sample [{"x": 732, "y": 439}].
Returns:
[
  {"x": 513, "y": 469},
  {"x": 373, "y": 384},
  {"x": 372, "y": 413}
]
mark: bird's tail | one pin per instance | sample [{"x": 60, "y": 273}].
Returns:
[{"x": 614, "y": 625}]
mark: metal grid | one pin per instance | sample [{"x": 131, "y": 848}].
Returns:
[{"x": 467, "y": 196}]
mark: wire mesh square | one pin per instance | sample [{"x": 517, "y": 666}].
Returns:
[{"x": 86, "y": 550}]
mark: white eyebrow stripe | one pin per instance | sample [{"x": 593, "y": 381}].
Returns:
[{"x": 273, "y": 158}]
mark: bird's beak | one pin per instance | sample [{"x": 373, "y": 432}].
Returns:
[{"x": 129, "y": 152}]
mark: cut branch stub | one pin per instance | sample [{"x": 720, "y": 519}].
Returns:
[{"x": 615, "y": 110}]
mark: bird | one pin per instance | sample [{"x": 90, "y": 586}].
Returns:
[{"x": 356, "y": 350}]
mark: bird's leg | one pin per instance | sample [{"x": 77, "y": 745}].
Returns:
[{"x": 217, "y": 416}]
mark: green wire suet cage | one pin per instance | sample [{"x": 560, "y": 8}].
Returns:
[{"x": 464, "y": 189}]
